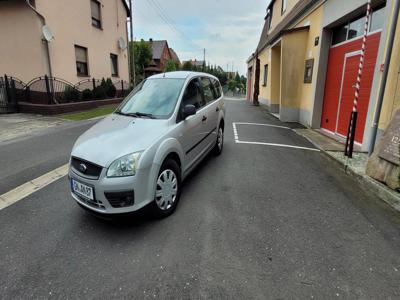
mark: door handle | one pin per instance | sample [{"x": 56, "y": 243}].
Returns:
[
  {"x": 204, "y": 118},
  {"x": 217, "y": 109}
]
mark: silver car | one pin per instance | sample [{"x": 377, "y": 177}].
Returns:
[{"x": 140, "y": 154}]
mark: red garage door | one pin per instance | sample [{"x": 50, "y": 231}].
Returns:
[{"x": 340, "y": 85}]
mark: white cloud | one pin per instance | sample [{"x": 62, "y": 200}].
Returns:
[{"x": 229, "y": 30}]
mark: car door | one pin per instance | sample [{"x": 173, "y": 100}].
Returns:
[
  {"x": 192, "y": 128},
  {"x": 212, "y": 109}
]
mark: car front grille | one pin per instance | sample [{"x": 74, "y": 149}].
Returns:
[{"x": 85, "y": 168}]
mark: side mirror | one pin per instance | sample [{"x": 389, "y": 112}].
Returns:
[{"x": 188, "y": 110}]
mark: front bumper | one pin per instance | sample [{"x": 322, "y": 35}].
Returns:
[{"x": 142, "y": 184}]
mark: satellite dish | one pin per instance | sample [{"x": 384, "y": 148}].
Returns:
[
  {"x": 47, "y": 34},
  {"x": 121, "y": 43}
]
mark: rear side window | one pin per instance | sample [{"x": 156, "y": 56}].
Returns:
[
  {"x": 217, "y": 88},
  {"x": 207, "y": 89},
  {"x": 192, "y": 95}
]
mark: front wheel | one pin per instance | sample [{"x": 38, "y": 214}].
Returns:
[
  {"x": 168, "y": 189},
  {"x": 219, "y": 144}
]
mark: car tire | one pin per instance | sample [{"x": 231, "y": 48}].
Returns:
[
  {"x": 219, "y": 143},
  {"x": 167, "y": 195}
]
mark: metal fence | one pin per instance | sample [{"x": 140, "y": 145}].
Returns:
[
  {"x": 11, "y": 90},
  {"x": 53, "y": 90}
]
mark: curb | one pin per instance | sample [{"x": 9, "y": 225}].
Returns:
[{"x": 384, "y": 193}]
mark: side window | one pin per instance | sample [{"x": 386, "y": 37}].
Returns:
[
  {"x": 192, "y": 95},
  {"x": 207, "y": 89},
  {"x": 217, "y": 88}
]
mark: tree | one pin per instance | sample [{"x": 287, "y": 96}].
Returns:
[
  {"x": 170, "y": 66},
  {"x": 187, "y": 66},
  {"x": 143, "y": 56}
]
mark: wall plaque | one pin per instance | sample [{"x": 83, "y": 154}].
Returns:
[{"x": 391, "y": 141}]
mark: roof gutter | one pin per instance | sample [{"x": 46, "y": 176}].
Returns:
[
  {"x": 43, "y": 20},
  {"x": 382, "y": 88}
]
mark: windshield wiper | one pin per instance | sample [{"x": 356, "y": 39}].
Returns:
[
  {"x": 136, "y": 114},
  {"x": 140, "y": 114}
]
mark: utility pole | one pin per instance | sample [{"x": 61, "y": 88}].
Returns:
[
  {"x": 204, "y": 59},
  {"x": 132, "y": 50}
]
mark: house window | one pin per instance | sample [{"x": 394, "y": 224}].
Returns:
[
  {"x": 265, "y": 75},
  {"x": 95, "y": 7},
  {"x": 308, "y": 70},
  {"x": 284, "y": 6},
  {"x": 114, "y": 65},
  {"x": 355, "y": 28},
  {"x": 377, "y": 19},
  {"x": 81, "y": 61}
]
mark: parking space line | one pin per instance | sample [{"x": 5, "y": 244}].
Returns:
[
  {"x": 261, "y": 124},
  {"x": 32, "y": 186},
  {"x": 278, "y": 145},
  {"x": 237, "y": 141}
]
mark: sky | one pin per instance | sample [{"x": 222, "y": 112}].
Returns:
[{"x": 228, "y": 30}]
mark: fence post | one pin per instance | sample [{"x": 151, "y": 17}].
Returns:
[
  {"x": 94, "y": 83},
  {"x": 7, "y": 88},
  {"x": 122, "y": 88},
  {"x": 14, "y": 95},
  {"x": 46, "y": 79}
]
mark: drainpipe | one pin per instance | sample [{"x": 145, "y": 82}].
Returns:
[
  {"x": 384, "y": 76},
  {"x": 46, "y": 42}
]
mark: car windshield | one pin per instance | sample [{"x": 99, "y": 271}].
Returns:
[{"x": 155, "y": 98}]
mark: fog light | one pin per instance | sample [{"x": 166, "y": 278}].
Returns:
[{"x": 120, "y": 199}]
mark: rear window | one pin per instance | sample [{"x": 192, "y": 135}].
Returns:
[
  {"x": 217, "y": 88},
  {"x": 207, "y": 89}
]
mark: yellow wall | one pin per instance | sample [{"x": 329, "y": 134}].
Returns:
[
  {"x": 292, "y": 68},
  {"x": 391, "y": 100},
  {"x": 265, "y": 91},
  {"x": 24, "y": 54},
  {"x": 73, "y": 27},
  {"x": 276, "y": 12},
  {"x": 314, "y": 19},
  {"x": 21, "y": 49}
]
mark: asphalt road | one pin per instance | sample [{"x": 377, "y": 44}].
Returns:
[{"x": 258, "y": 222}]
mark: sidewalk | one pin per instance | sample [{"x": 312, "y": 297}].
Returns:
[
  {"x": 14, "y": 126},
  {"x": 354, "y": 167}
]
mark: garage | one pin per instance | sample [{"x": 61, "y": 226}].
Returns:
[{"x": 341, "y": 78}]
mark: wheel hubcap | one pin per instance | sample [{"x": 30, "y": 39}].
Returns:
[
  {"x": 167, "y": 188},
  {"x": 220, "y": 138}
]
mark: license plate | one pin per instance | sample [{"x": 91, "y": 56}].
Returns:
[{"x": 82, "y": 189}]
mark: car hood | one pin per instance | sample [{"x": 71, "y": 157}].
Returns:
[{"x": 116, "y": 136}]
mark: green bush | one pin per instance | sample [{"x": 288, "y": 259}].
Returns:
[
  {"x": 87, "y": 94},
  {"x": 99, "y": 93},
  {"x": 111, "y": 90},
  {"x": 108, "y": 87},
  {"x": 71, "y": 93}
]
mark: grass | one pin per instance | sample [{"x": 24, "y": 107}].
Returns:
[{"x": 89, "y": 114}]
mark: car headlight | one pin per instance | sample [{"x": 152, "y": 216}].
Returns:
[{"x": 124, "y": 166}]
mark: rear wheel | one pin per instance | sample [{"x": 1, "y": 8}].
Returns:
[
  {"x": 168, "y": 189},
  {"x": 219, "y": 144}
]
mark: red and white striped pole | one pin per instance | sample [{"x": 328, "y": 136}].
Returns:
[{"x": 353, "y": 119}]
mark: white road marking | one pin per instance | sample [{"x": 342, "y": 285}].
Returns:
[
  {"x": 277, "y": 145},
  {"x": 32, "y": 186},
  {"x": 260, "y": 124},
  {"x": 237, "y": 141}
]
